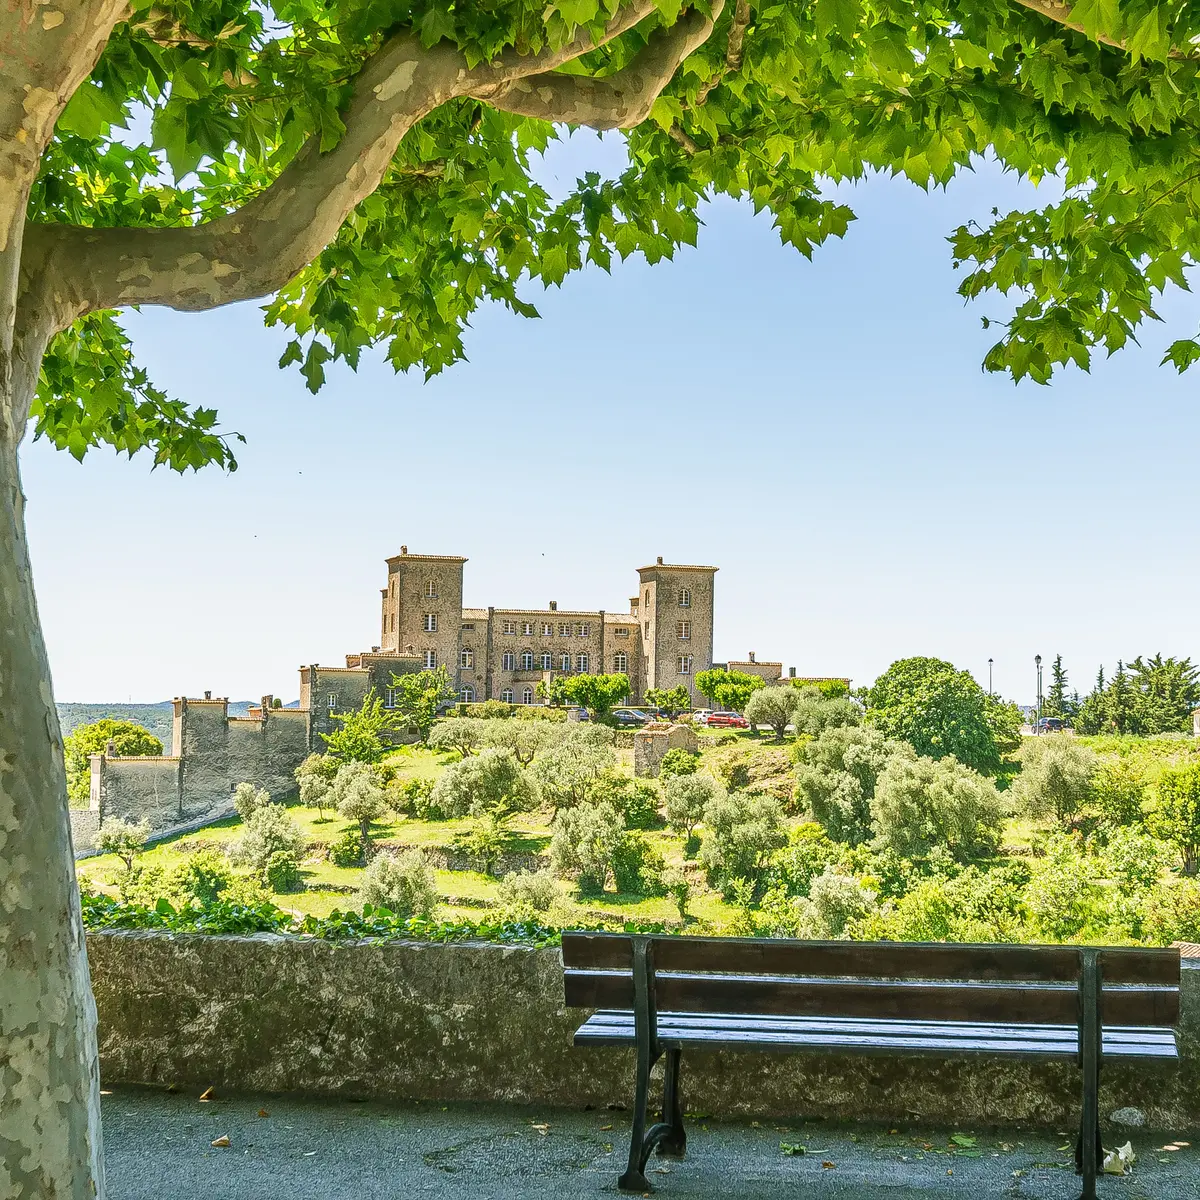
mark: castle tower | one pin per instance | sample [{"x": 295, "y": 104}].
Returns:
[
  {"x": 675, "y": 604},
  {"x": 422, "y": 608}
]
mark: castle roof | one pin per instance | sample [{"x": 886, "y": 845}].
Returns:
[
  {"x": 406, "y": 557},
  {"x": 662, "y": 566}
]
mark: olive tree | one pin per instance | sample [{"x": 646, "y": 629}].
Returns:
[
  {"x": 125, "y": 839},
  {"x": 370, "y": 169},
  {"x": 773, "y": 706},
  {"x": 489, "y": 784},
  {"x": 359, "y": 796}
]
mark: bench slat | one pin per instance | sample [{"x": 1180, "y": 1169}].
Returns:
[
  {"x": 931, "y": 960},
  {"x": 1039, "y": 1003},
  {"x": 832, "y": 1035}
]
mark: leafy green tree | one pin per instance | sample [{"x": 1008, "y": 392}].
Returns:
[
  {"x": 1167, "y": 691},
  {"x": 403, "y": 883},
  {"x": 553, "y": 692},
  {"x": 727, "y": 689},
  {"x": 567, "y": 772},
  {"x": 937, "y": 710},
  {"x": 678, "y": 761},
  {"x": 464, "y": 734},
  {"x": 1176, "y": 818},
  {"x": 1118, "y": 790},
  {"x": 836, "y": 774},
  {"x": 491, "y": 783},
  {"x": 524, "y": 740},
  {"x": 596, "y": 693},
  {"x": 923, "y": 803},
  {"x": 248, "y": 799},
  {"x": 127, "y": 737},
  {"x": 836, "y": 902},
  {"x": 269, "y": 831},
  {"x": 744, "y": 832},
  {"x": 419, "y": 697},
  {"x": 1058, "y": 701},
  {"x": 817, "y": 711},
  {"x": 671, "y": 700},
  {"x": 358, "y": 796},
  {"x": 686, "y": 797},
  {"x": 314, "y": 777},
  {"x": 125, "y": 839},
  {"x": 773, "y": 706},
  {"x": 360, "y": 732},
  {"x": 372, "y": 170},
  {"x": 584, "y": 839},
  {"x": 1056, "y": 778}
]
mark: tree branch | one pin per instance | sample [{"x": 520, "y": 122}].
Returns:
[
  {"x": 71, "y": 270},
  {"x": 617, "y": 101},
  {"x": 733, "y": 50},
  {"x": 1060, "y": 12}
]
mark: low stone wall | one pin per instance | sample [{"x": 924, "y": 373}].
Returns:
[
  {"x": 85, "y": 825},
  {"x": 485, "y": 1022}
]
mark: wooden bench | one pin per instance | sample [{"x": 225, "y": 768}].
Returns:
[{"x": 664, "y": 994}]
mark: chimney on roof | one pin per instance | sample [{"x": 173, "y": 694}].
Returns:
[
  {"x": 374, "y": 649},
  {"x": 267, "y": 702},
  {"x": 659, "y": 560},
  {"x": 751, "y": 655},
  {"x": 403, "y": 549},
  {"x": 791, "y": 672},
  {"x": 208, "y": 695},
  {"x": 554, "y": 606},
  {"x": 408, "y": 649}
]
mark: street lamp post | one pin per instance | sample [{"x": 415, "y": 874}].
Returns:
[
  {"x": 1037, "y": 658},
  {"x": 990, "y": 677}
]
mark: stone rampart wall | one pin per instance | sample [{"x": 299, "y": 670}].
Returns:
[{"x": 485, "y": 1022}]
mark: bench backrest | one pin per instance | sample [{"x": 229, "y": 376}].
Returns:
[{"x": 900, "y": 980}]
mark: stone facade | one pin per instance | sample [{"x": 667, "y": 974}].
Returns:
[
  {"x": 652, "y": 742},
  {"x": 412, "y": 1021},
  {"x": 504, "y": 653}
]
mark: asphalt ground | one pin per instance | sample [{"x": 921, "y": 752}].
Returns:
[{"x": 158, "y": 1144}]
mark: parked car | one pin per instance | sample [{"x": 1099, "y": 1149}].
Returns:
[
  {"x": 727, "y": 720},
  {"x": 630, "y": 716},
  {"x": 700, "y": 716},
  {"x": 1050, "y": 725}
]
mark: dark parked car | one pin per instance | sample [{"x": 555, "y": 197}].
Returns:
[
  {"x": 630, "y": 716},
  {"x": 1050, "y": 725}
]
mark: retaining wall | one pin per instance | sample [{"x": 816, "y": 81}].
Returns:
[{"x": 486, "y": 1022}]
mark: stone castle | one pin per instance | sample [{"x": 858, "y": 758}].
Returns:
[{"x": 663, "y": 641}]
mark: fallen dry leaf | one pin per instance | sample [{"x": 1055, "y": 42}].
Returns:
[
  {"x": 262, "y": 1112},
  {"x": 208, "y": 1093},
  {"x": 605, "y": 1128},
  {"x": 223, "y": 1140},
  {"x": 828, "y": 1166},
  {"x": 542, "y": 1129}
]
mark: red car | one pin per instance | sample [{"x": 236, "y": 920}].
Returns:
[{"x": 730, "y": 720}]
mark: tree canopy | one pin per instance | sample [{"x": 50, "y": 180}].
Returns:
[{"x": 128, "y": 738}]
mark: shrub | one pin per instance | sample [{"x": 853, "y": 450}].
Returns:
[
  {"x": 530, "y": 891},
  {"x": 773, "y": 706},
  {"x": 1172, "y": 912},
  {"x": 743, "y": 833},
  {"x": 248, "y": 799},
  {"x": 1133, "y": 859},
  {"x": 1055, "y": 779},
  {"x": 583, "y": 842},
  {"x": 359, "y": 796},
  {"x": 403, "y": 883},
  {"x": 125, "y": 839},
  {"x": 1063, "y": 892},
  {"x": 835, "y": 904},
  {"x": 268, "y": 830},
  {"x": 678, "y": 762},
  {"x": 687, "y": 796},
  {"x": 808, "y": 852},
  {"x": 314, "y": 777},
  {"x": 282, "y": 873},
  {"x": 815, "y": 713},
  {"x": 204, "y": 876},
  {"x": 679, "y": 888},
  {"x": 567, "y": 772},
  {"x": 484, "y": 843},
  {"x": 490, "y": 783},
  {"x": 1118, "y": 790},
  {"x": 637, "y": 866},
  {"x": 635, "y": 799},
  {"x": 347, "y": 850},
  {"x": 415, "y": 796},
  {"x": 920, "y": 803},
  {"x": 836, "y": 774}
]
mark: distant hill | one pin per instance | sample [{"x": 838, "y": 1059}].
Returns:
[{"x": 155, "y": 717}]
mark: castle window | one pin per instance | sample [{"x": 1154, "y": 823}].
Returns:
[
  {"x": 466, "y": 694},
  {"x": 685, "y": 664},
  {"x": 685, "y": 597},
  {"x": 647, "y": 628},
  {"x": 621, "y": 662},
  {"x": 508, "y": 661},
  {"x": 333, "y": 699},
  {"x": 585, "y": 630},
  {"x": 390, "y": 698},
  {"x": 621, "y": 632},
  {"x": 526, "y": 660},
  {"x": 431, "y": 589},
  {"x": 431, "y": 622},
  {"x": 564, "y": 663},
  {"x": 506, "y": 695},
  {"x": 581, "y": 662},
  {"x": 527, "y": 695},
  {"x": 647, "y": 597},
  {"x": 547, "y": 629},
  {"x": 430, "y": 659},
  {"x": 393, "y": 622},
  {"x": 527, "y": 629},
  {"x": 466, "y": 659},
  {"x": 547, "y": 661},
  {"x": 564, "y": 630},
  {"x": 509, "y": 627},
  {"x": 684, "y": 629},
  {"x": 392, "y": 586}
]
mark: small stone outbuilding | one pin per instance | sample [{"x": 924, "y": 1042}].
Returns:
[{"x": 653, "y": 741}]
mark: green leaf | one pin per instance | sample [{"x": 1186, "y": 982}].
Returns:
[
  {"x": 838, "y": 16},
  {"x": 1182, "y": 354},
  {"x": 91, "y": 112}
]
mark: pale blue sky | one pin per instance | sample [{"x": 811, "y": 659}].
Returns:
[{"x": 821, "y": 431}]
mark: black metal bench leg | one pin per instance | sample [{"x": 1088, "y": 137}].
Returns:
[
  {"x": 674, "y": 1143},
  {"x": 634, "y": 1179},
  {"x": 1089, "y": 1153}
]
